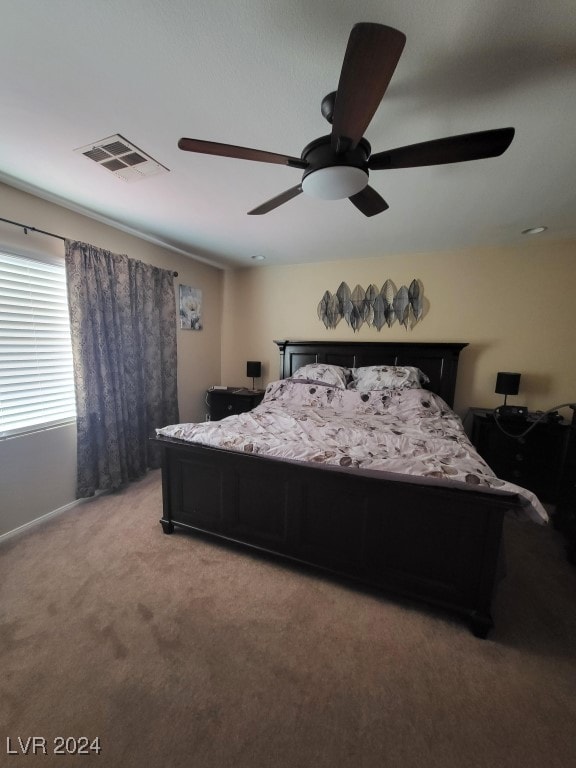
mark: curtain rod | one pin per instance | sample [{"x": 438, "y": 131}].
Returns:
[{"x": 26, "y": 227}]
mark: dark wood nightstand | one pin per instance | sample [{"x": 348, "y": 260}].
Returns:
[
  {"x": 564, "y": 517},
  {"x": 536, "y": 461},
  {"x": 232, "y": 400}
]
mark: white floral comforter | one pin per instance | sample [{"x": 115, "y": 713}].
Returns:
[{"x": 405, "y": 431}]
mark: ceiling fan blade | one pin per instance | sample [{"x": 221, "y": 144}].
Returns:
[
  {"x": 454, "y": 149},
  {"x": 241, "y": 153},
  {"x": 371, "y": 57},
  {"x": 369, "y": 202},
  {"x": 283, "y": 197}
]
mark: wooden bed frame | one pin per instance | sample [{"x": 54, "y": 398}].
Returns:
[{"x": 431, "y": 543}]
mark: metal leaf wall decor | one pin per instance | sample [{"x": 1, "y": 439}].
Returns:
[{"x": 373, "y": 306}]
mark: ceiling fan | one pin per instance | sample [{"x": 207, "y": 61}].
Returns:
[{"x": 337, "y": 166}]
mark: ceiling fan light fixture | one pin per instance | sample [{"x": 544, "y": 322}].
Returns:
[
  {"x": 335, "y": 182},
  {"x": 337, "y": 165}
]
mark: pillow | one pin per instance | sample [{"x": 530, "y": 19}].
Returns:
[
  {"x": 373, "y": 377},
  {"x": 333, "y": 375}
]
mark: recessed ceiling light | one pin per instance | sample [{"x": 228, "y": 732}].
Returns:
[
  {"x": 534, "y": 230},
  {"x": 258, "y": 257}
]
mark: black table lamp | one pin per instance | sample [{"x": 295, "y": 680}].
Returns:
[
  {"x": 253, "y": 370},
  {"x": 507, "y": 384}
]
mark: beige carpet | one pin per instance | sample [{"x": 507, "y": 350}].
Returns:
[{"x": 178, "y": 652}]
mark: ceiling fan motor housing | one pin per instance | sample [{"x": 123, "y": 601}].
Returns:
[{"x": 332, "y": 176}]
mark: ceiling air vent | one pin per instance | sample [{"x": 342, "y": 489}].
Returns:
[{"x": 122, "y": 158}]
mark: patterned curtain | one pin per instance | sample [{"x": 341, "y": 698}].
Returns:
[{"x": 123, "y": 322}]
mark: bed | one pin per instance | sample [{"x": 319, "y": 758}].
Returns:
[{"x": 432, "y": 539}]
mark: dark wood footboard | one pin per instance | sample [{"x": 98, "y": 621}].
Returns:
[{"x": 430, "y": 543}]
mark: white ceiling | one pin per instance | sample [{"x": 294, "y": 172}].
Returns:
[{"x": 253, "y": 73}]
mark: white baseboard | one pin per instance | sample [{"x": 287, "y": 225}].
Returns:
[{"x": 44, "y": 518}]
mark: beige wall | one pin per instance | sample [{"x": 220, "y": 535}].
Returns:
[
  {"x": 37, "y": 472},
  {"x": 514, "y": 306}
]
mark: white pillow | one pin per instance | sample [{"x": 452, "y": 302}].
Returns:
[
  {"x": 333, "y": 375},
  {"x": 372, "y": 377}
]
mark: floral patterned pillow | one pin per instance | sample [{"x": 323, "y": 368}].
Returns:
[
  {"x": 333, "y": 375},
  {"x": 387, "y": 377}
]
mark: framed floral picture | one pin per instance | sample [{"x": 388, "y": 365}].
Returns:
[{"x": 190, "y": 308}]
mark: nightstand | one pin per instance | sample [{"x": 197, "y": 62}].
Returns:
[
  {"x": 536, "y": 461},
  {"x": 564, "y": 517},
  {"x": 232, "y": 400}
]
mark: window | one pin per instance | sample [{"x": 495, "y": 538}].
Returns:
[{"x": 36, "y": 374}]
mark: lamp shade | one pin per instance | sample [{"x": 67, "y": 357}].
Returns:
[
  {"x": 507, "y": 383},
  {"x": 253, "y": 369}
]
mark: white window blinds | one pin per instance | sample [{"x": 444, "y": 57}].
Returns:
[{"x": 36, "y": 375}]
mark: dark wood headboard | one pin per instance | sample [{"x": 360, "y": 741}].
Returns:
[{"x": 439, "y": 361}]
